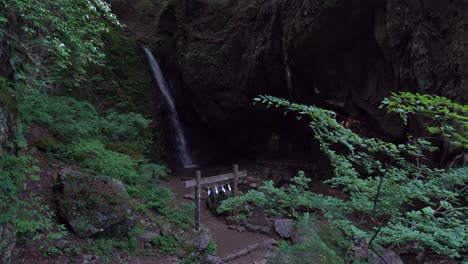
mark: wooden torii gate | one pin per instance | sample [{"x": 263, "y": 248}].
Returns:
[{"x": 199, "y": 182}]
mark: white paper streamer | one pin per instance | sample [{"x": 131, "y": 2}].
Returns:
[
  {"x": 209, "y": 191},
  {"x": 216, "y": 189},
  {"x": 229, "y": 187},
  {"x": 222, "y": 188}
]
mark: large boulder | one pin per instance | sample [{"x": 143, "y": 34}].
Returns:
[{"x": 94, "y": 205}]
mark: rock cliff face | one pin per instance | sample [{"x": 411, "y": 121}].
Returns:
[
  {"x": 345, "y": 55},
  {"x": 8, "y": 126}
]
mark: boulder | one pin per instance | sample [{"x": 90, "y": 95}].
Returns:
[
  {"x": 7, "y": 242},
  {"x": 258, "y": 216},
  {"x": 202, "y": 239},
  {"x": 191, "y": 242},
  {"x": 284, "y": 227},
  {"x": 390, "y": 258},
  {"x": 94, "y": 205}
]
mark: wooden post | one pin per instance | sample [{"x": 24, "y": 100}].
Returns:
[
  {"x": 198, "y": 201},
  {"x": 235, "y": 168}
]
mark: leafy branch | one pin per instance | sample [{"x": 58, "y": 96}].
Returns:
[
  {"x": 445, "y": 117},
  {"x": 388, "y": 183}
]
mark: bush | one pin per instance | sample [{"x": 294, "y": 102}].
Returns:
[
  {"x": 166, "y": 244},
  {"x": 211, "y": 249},
  {"x": 107, "y": 247},
  {"x": 70, "y": 119},
  {"x": 74, "y": 120},
  {"x": 398, "y": 198},
  {"x": 94, "y": 156},
  {"x": 29, "y": 215},
  {"x": 153, "y": 171}
]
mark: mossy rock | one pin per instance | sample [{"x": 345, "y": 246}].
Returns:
[
  {"x": 94, "y": 205},
  {"x": 192, "y": 243}
]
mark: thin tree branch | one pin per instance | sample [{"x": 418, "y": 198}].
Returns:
[
  {"x": 447, "y": 198},
  {"x": 15, "y": 39},
  {"x": 374, "y": 209}
]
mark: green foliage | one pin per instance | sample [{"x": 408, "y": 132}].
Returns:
[
  {"x": 86, "y": 134},
  {"x": 443, "y": 117},
  {"x": 29, "y": 215},
  {"x": 94, "y": 156},
  {"x": 211, "y": 249},
  {"x": 33, "y": 216},
  {"x": 398, "y": 199},
  {"x": 314, "y": 248},
  {"x": 157, "y": 198},
  {"x": 130, "y": 127},
  {"x": 166, "y": 244},
  {"x": 27, "y": 212},
  {"x": 74, "y": 120},
  {"x": 66, "y": 32},
  {"x": 287, "y": 201},
  {"x": 182, "y": 218},
  {"x": 13, "y": 171},
  {"x": 106, "y": 247},
  {"x": 61, "y": 232},
  {"x": 153, "y": 171},
  {"x": 69, "y": 118},
  {"x": 54, "y": 48},
  {"x": 51, "y": 252}
]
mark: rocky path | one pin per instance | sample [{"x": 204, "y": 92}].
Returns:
[{"x": 228, "y": 241}]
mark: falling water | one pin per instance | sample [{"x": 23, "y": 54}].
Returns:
[{"x": 174, "y": 116}]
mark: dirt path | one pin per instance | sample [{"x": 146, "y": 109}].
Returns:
[{"x": 228, "y": 241}]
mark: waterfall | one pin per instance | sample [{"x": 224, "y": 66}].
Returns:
[{"x": 182, "y": 149}]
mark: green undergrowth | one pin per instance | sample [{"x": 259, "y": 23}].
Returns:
[
  {"x": 27, "y": 213},
  {"x": 67, "y": 68},
  {"x": 82, "y": 136},
  {"x": 320, "y": 244},
  {"x": 167, "y": 244}
]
